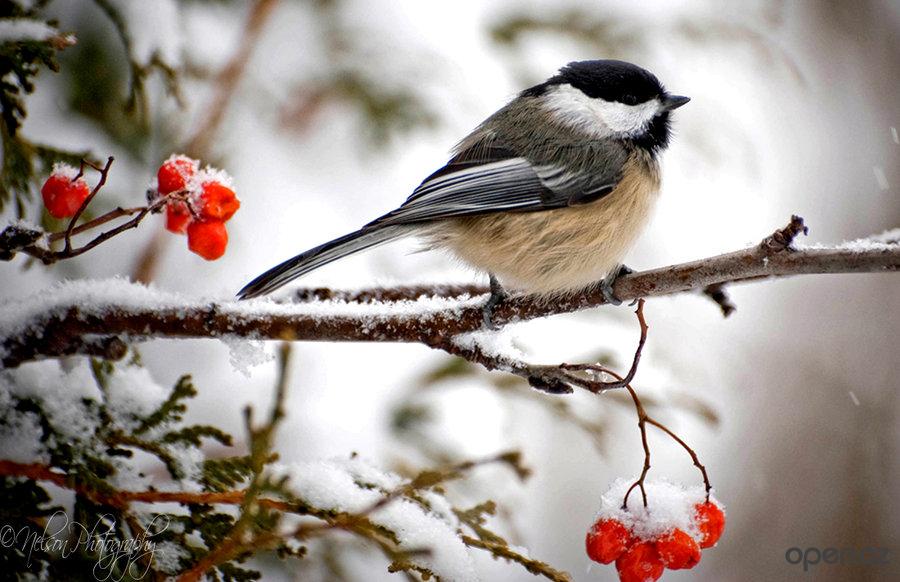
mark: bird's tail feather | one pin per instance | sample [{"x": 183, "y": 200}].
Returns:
[{"x": 319, "y": 256}]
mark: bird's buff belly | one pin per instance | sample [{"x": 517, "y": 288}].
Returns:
[{"x": 553, "y": 252}]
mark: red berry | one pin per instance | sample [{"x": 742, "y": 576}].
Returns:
[
  {"x": 218, "y": 202},
  {"x": 711, "y": 521},
  {"x": 641, "y": 563},
  {"x": 207, "y": 238},
  {"x": 678, "y": 551},
  {"x": 177, "y": 217},
  {"x": 174, "y": 173},
  {"x": 607, "y": 540},
  {"x": 63, "y": 196}
]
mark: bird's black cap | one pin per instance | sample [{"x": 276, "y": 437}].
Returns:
[
  {"x": 610, "y": 80},
  {"x": 622, "y": 82}
]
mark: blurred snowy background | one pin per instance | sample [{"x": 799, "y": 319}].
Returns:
[{"x": 345, "y": 105}]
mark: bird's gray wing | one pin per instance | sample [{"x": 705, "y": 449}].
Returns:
[
  {"x": 480, "y": 179},
  {"x": 488, "y": 178}
]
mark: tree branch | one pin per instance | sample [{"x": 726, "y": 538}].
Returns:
[
  {"x": 227, "y": 80},
  {"x": 65, "y": 321}
]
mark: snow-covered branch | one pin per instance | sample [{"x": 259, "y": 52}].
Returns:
[{"x": 96, "y": 317}]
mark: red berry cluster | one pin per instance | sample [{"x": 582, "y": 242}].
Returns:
[
  {"x": 198, "y": 204},
  {"x": 643, "y": 560},
  {"x": 64, "y": 191}
]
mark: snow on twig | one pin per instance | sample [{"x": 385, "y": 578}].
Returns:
[{"x": 87, "y": 316}]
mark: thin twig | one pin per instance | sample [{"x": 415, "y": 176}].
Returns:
[
  {"x": 643, "y": 420},
  {"x": 104, "y": 173},
  {"x": 94, "y": 223},
  {"x": 689, "y": 450},
  {"x": 105, "y": 236},
  {"x": 553, "y": 379},
  {"x": 385, "y": 294},
  {"x": 424, "y": 480},
  {"x": 509, "y": 554},
  {"x": 597, "y": 387},
  {"x": 120, "y": 499},
  {"x": 642, "y": 426},
  {"x": 197, "y": 144}
]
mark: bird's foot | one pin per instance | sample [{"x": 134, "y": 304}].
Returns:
[
  {"x": 606, "y": 286},
  {"x": 498, "y": 296}
]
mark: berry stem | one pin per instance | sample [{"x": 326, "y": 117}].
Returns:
[
  {"x": 104, "y": 236},
  {"x": 104, "y": 173},
  {"x": 642, "y": 425},
  {"x": 689, "y": 450},
  {"x": 90, "y": 165},
  {"x": 621, "y": 382},
  {"x": 102, "y": 219},
  {"x": 643, "y": 418}
]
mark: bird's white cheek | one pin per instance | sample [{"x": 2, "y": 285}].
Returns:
[
  {"x": 623, "y": 118},
  {"x": 597, "y": 117}
]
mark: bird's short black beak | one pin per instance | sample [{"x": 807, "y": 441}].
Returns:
[{"x": 670, "y": 102}]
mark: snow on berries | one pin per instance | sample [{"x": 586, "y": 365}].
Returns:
[
  {"x": 198, "y": 202},
  {"x": 174, "y": 173},
  {"x": 668, "y": 533},
  {"x": 64, "y": 191}
]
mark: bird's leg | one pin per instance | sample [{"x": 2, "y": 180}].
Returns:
[
  {"x": 606, "y": 286},
  {"x": 498, "y": 295}
]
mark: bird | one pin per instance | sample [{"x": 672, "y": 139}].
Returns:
[{"x": 546, "y": 195}]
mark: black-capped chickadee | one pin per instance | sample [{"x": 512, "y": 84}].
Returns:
[{"x": 546, "y": 195}]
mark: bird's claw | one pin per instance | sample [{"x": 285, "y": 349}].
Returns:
[
  {"x": 498, "y": 295},
  {"x": 606, "y": 286},
  {"x": 608, "y": 295}
]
